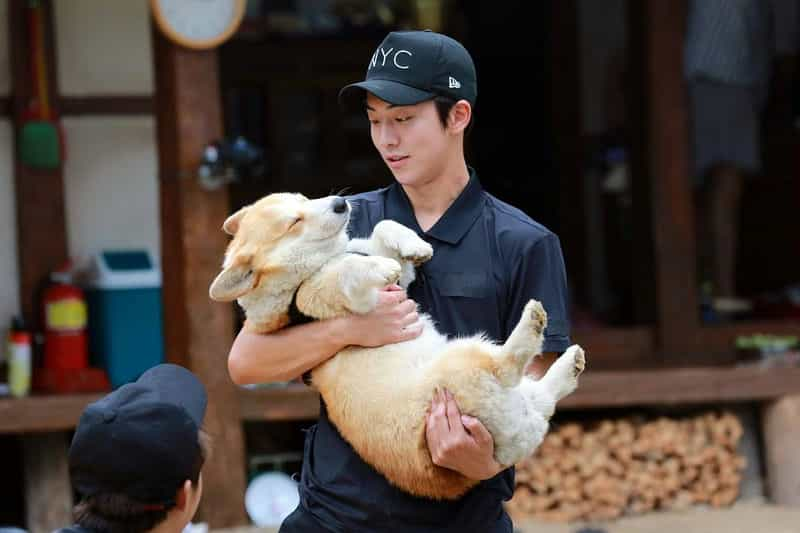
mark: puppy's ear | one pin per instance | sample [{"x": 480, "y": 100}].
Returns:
[
  {"x": 231, "y": 224},
  {"x": 232, "y": 282}
]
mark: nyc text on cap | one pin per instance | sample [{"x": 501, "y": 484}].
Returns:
[{"x": 410, "y": 67}]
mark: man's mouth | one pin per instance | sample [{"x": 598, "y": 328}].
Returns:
[{"x": 395, "y": 158}]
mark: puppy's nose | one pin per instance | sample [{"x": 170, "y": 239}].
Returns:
[{"x": 339, "y": 205}]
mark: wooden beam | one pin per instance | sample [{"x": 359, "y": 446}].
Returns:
[
  {"x": 681, "y": 386},
  {"x": 43, "y": 413},
  {"x": 48, "y": 494},
  {"x": 597, "y": 389},
  {"x": 295, "y": 402},
  {"x": 41, "y": 221},
  {"x": 95, "y": 105},
  {"x": 781, "y": 429},
  {"x": 668, "y": 166},
  {"x": 107, "y": 105},
  {"x": 198, "y": 332}
]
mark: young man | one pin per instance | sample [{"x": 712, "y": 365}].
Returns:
[
  {"x": 727, "y": 64},
  {"x": 137, "y": 453},
  {"x": 489, "y": 260}
]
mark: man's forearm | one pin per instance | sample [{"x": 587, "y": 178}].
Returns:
[{"x": 285, "y": 354}]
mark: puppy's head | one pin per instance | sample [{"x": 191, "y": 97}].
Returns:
[{"x": 282, "y": 239}]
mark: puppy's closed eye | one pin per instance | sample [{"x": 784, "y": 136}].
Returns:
[{"x": 294, "y": 222}]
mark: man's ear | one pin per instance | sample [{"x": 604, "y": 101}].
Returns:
[
  {"x": 182, "y": 496},
  {"x": 459, "y": 116},
  {"x": 232, "y": 282},
  {"x": 231, "y": 224}
]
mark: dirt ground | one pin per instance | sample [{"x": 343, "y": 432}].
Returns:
[
  {"x": 741, "y": 518},
  {"x": 747, "y": 517}
]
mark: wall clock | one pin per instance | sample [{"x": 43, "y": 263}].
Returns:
[{"x": 198, "y": 24}]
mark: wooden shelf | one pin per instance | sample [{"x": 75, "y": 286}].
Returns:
[
  {"x": 682, "y": 386},
  {"x": 630, "y": 388},
  {"x": 42, "y": 413},
  {"x": 598, "y": 389},
  {"x": 293, "y": 402}
]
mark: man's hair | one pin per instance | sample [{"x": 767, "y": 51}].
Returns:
[
  {"x": 119, "y": 513},
  {"x": 444, "y": 104}
]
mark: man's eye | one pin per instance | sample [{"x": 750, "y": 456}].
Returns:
[{"x": 403, "y": 119}]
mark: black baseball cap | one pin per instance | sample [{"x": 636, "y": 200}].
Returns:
[
  {"x": 142, "y": 439},
  {"x": 410, "y": 67}
]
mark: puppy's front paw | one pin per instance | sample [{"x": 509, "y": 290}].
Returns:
[
  {"x": 416, "y": 251},
  {"x": 382, "y": 271},
  {"x": 365, "y": 278},
  {"x": 403, "y": 241}
]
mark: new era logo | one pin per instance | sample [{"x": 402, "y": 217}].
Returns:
[{"x": 453, "y": 83}]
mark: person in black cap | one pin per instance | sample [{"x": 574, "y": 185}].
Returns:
[
  {"x": 137, "y": 454},
  {"x": 489, "y": 259}
]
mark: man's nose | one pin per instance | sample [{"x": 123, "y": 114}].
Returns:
[{"x": 388, "y": 137}]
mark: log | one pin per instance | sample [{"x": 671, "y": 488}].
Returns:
[
  {"x": 631, "y": 466},
  {"x": 48, "y": 495},
  {"x": 781, "y": 428}
]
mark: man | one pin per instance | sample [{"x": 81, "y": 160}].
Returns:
[
  {"x": 137, "y": 454},
  {"x": 727, "y": 62},
  {"x": 489, "y": 260}
]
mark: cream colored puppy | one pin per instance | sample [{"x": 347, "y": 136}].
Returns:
[{"x": 286, "y": 246}]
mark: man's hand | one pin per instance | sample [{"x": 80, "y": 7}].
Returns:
[
  {"x": 394, "y": 319},
  {"x": 459, "y": 442}
]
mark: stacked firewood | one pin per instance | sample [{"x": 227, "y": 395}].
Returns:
[{"x": 630, "y": 466}]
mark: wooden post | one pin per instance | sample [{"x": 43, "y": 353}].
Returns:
[
  {"x": 198, "y": 332},
  {"x": 41, "y": 222},
  {"x": 781, "y": 428},
  {"x": 41, "y": 248},
  {"x": 668, "y": 166},
  {"x": 48, "y": 495}
]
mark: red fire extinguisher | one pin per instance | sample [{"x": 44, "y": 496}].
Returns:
[{"x": 65, "y": 319}]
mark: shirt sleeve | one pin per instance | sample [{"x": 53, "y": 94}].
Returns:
[{"x": 538, "y": 273}]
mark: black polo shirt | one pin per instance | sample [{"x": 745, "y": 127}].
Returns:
[{"x": 489, "y": 259}]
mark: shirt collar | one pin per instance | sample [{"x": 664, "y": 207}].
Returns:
[{"x": 453, "y": 224}]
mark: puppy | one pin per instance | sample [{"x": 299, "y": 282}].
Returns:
[{"x": 287, "y": 248}]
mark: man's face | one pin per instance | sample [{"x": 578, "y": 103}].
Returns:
[{"x": 410, "y": 139}]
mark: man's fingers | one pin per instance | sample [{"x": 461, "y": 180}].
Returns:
[
  {"x": 476, "y": 429},
  {"x": 391, "y": 295},
  {"x": 410, "y": 318},
  {"x": 438, "y": 418},
  {"x": 407, "y": 306},
  {"x": 411, "y": 331},
  {"x": 453, "y": 414},
  {"x": 393, "y": 287}
]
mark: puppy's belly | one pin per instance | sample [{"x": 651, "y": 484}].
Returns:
[{"x": 377, "y": 398}]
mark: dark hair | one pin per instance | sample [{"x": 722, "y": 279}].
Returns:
[
  {"x": 119, "y": 513},
  {"x": 444, "y": 104}
]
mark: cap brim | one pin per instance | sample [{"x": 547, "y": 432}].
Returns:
[
  {"x": 387, "y": 90},
  {"x": 176, "y": 385}
]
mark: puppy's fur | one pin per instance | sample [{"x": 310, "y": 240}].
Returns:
[{"x": 378, "y": 397}]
